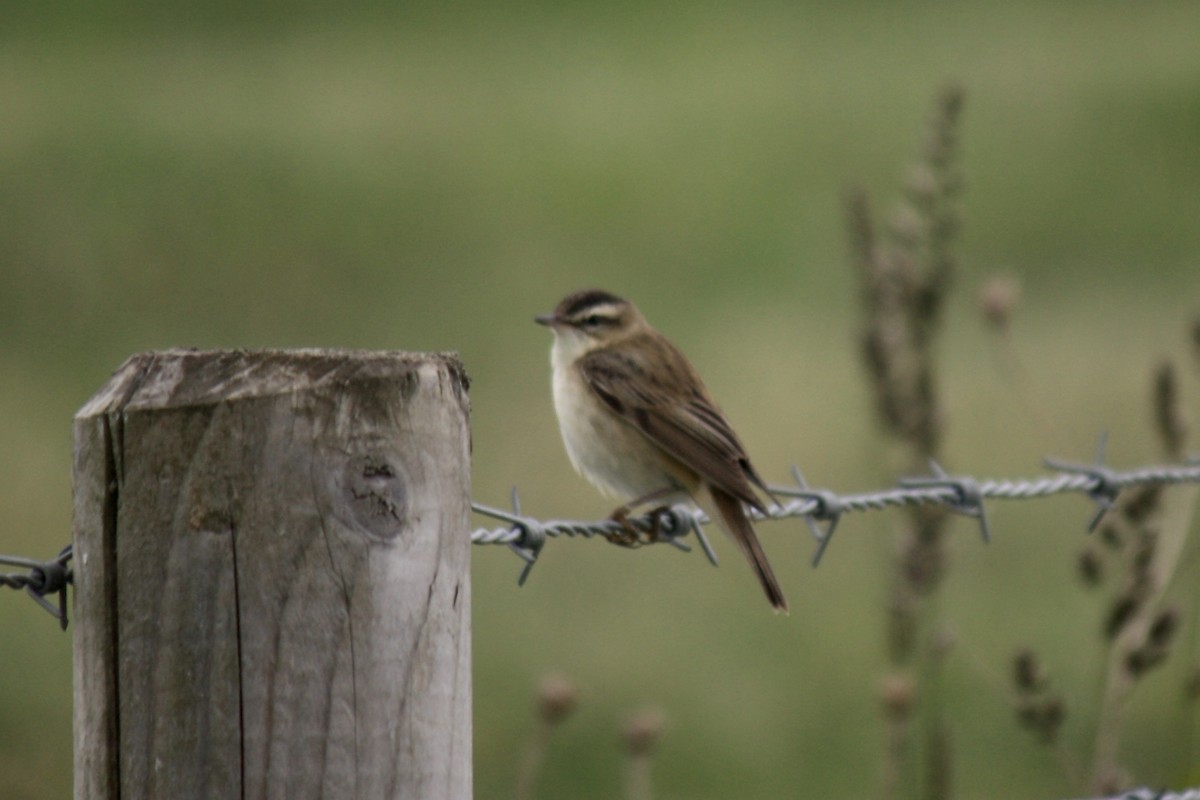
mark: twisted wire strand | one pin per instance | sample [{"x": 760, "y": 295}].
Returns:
[
  {"x": 953, "y": 492},
  {"x": 43, "y": 578},
  {"x": 527, "y": 535}
]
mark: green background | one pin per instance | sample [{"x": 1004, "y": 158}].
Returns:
[{"x": 429, "y": 178}]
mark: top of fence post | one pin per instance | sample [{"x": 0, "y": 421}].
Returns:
[{"x": 272, "y": 571}]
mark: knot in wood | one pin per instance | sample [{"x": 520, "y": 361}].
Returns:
[{"x": 376, "y": 493}]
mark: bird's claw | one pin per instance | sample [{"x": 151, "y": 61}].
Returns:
[{"x": 630, "y": 536}]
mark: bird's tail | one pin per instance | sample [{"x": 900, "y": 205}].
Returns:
[{"x": 733, "y": 519}]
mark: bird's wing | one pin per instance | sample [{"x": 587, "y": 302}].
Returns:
[{"x": 653, "y": 387}]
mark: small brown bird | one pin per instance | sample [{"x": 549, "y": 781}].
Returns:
[{"x": 640, "y": 425}]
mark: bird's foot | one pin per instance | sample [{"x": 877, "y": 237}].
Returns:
[{"x": 630, "y": 536}]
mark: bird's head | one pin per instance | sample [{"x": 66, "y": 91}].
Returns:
[{"x": 584, "y": 321}]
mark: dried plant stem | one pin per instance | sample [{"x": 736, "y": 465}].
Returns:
[
  {"x": 557, "y": 699},
  {"x": 1012, "y": 372},
  {"x": 895, "y": 757},
  {"x": 905, "y": 276},
  {"x": 1191, "y": 683},
  {"x": 1168, "y": 527},
  {"x": 637, "y": 778},
  {"x": 1153, "y": 527},
  {"x": 531, "y": 763},
  {"x": 640, "y": 736},
  {"x": 1106, "y": 772}
]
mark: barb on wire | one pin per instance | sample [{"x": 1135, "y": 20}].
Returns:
[
  {"x": 1106, "y": 490},
  {"x": 828, "y": 508},
  {"x": 44, "y": 578},
  {"x": 969, "y": 501},
  {"x": 962, "y": 495}
]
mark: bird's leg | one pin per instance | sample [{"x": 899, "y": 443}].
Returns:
[{"x": 630, "y": 536}]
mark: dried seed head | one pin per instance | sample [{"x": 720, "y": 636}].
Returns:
[
  {"x": 1043, "y": 716},
  {"x": 1168, "y": 415},
  {"x": 944, "y": 641},
  {"x": 1112, "y": 781},
  {"x": 921, "y": 185},
  {"x": 1144, "y": 659},
  {"x": 1191, "y": 687},
  {"x": 1028, "y": 672},
  {"x": 1141, "y": 503},
  {"x": 1163, "y": 629},
  {"x": 907, "y": 226},
  {"x": 898, "y": 695},
  {"x": 642, "y": 731},
  {"x": 557, "y": 698},
  {"x": 1119, "y": 615},
  {"x": 1109, "y": 534},
  {"x": 1157, "y": 646},
  {"x": 998, "y": 299},
  {"x": 1091, "y": 567},
  {"x": 1143, "y": 556},
  {"x": 1054, "y": 712},
  {"x": 942, "y": 143}
]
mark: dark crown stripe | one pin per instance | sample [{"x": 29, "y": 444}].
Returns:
[{"x": 581, "y": 301}]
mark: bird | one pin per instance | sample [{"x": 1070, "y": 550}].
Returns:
[{"x": 640, "y": 425}]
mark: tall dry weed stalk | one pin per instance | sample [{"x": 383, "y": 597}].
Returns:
[
  {"x": 905, "y": 273},
  {"x": 1135, "y": 555},
  {"x": 557, "y": 699},
  {"x": 1139, "y": 548}
]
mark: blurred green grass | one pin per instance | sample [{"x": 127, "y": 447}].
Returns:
[{"x": 422, "y": 178}]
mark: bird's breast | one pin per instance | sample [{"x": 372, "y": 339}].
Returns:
[{"x": 613, "y": 455}]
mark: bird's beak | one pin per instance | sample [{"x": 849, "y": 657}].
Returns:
[{"x": 546, "y": 319}]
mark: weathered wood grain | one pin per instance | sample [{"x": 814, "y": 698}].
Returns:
[{"x": 272, "y": 569}]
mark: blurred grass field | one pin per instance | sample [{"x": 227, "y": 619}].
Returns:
[{"x": 429, "y": 179}]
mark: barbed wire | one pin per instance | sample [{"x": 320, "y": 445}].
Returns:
[
  {"x": 43, "y": 578},
  {"x": 1145, "y": 793},
  {"x": 960, "y": 494},
  {"x": 821, "y": 509}
]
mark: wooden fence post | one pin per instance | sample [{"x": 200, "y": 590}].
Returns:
[{"x": 273, "y": 579}]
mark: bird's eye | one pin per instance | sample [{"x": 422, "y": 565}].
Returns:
[{"x": 592, "y": 321}]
